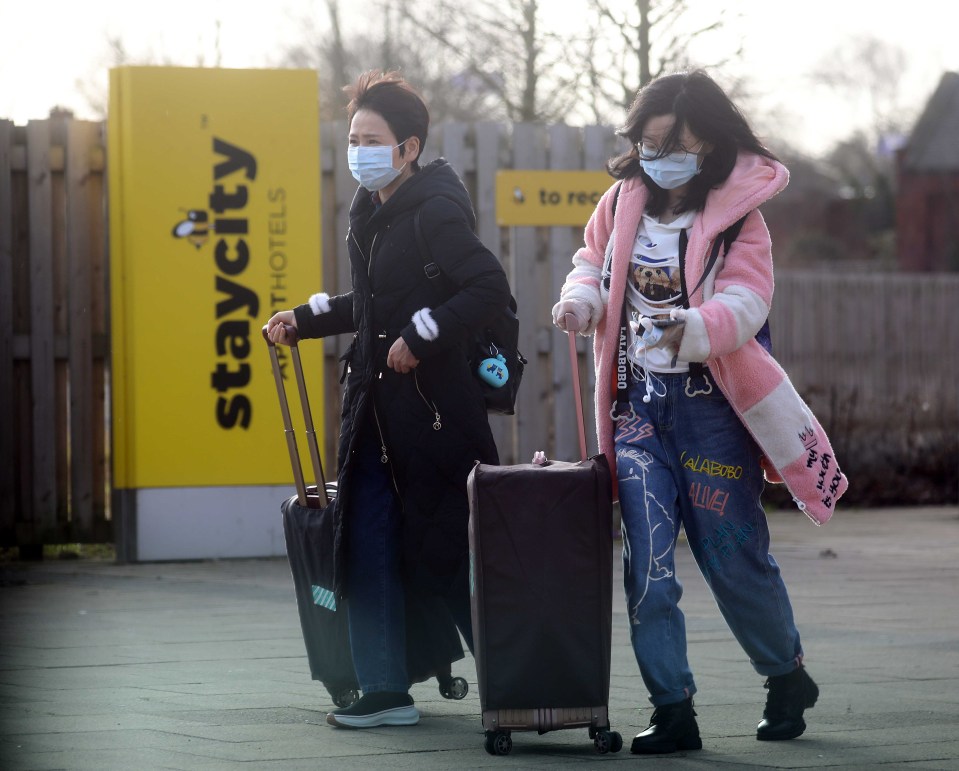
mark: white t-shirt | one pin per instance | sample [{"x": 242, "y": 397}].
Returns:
[{"x": 653, "y": 288}]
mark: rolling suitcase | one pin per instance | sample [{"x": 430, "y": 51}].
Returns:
[
  {"x": 308, "y": 527},
  {"x": 541, "y": 574}
]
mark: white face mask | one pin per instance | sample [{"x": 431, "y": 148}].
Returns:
[
  {"x": 673, "y": 170},
  {"x": 372, "y": 167}
]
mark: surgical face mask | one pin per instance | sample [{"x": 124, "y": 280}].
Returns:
[
  {"x": 673, "y": 170},
  {"x": 372, "y": 167}
]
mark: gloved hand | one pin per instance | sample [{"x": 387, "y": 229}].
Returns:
[{"x": 578, "y": 308}]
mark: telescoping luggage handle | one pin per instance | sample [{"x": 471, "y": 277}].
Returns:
[
  {"x": 301, "y": 494},
  {"x": 572, "y": 327}
]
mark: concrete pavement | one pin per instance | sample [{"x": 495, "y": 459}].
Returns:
[{"x": 201, "y": 666}]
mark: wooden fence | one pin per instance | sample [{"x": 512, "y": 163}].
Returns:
[
  {"x": 53, "y": 341},
  {"x": 855, "y": 344}
]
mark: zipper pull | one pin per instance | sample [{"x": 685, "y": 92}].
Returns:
[
  {"x": 384, "y": 458},
  {"x": 438, "y": 424}
]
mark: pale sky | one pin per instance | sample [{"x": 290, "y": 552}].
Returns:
[{"x": 48, "y": 47}]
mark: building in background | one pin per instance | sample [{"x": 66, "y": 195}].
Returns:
[{"x": 927, "y": 200}]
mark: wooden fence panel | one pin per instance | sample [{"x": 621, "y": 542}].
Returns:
[
  {"x": 52, "y": 334},
  {"x": 528, "y": 277},
  {"x": 564, "y": 155},
  {"x": 96, "y": 189},
  {"x": 43, "y": 469},
  {"x": 7, "y": 393},
  {"x": 84, "y": 202},
  {"x": 453, "y": 147},
  {"x": 872, "y": 347},
  {"x": 20, "y": 519},
  {"x": 61, "y": 287},
  {"x": 489, "y": 139}
]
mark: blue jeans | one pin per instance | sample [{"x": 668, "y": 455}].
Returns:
[
  {"x": 377, "y": 611},
  {"x": 688, "y": 461}
]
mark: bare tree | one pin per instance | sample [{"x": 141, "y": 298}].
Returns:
[
  {"x": 94, "y": 87},
  {"x": 652, "y": 37},
  {"x": 508, "y": 59},
  {"x": 339, "y": 57},
  {"x": 323, "y": 48},
  {"x": 501, "y": 52},
  {"x": 869, "y": 70}
]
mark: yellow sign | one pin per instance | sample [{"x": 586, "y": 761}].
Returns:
[
  {"x": 214, "y": 226},
  {"x": 548, "y": 197}
]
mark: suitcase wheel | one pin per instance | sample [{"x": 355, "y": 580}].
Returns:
[
  {"x": 607, "y": 741},
  {"x": 345, "y": 698},
  {"x": 453, "y": 687},
  {"x": 498, "y": 743}
]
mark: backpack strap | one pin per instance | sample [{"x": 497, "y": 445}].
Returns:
[
  {"x": 430, "y": 268},
  {"x": 731, "y": 233},
  {"x": 725, "y": 238},
  {"x": 697, "y": 371},
  {"x": 433, "y": 271}
]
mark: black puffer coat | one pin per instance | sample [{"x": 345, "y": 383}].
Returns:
[{"x": 431, "y": 422}]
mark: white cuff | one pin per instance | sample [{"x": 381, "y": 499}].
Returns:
[
  {"x": 320, "y": 303},
  {"x": 695, "y": 344},
  {"x": 425, "y": 324}
]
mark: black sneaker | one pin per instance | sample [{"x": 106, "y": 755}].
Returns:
[
  {"x": 789, "y": 696},
  {"x": 376, "y": 709}
]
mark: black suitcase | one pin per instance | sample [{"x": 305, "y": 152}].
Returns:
[
  {"x": 433, "y": 642},
  {"x": 541, "y": 575}
]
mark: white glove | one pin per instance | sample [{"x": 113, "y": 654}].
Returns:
[{"x": 579, "y": 309}]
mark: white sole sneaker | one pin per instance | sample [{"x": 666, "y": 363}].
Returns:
[{"x": 396, "y": 716}]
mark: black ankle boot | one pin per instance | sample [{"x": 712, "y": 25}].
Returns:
[
  {"x": 789, "y": 695},
  {"x": 671, "y": 728}
]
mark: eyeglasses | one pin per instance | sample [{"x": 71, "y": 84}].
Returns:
[{"x": 647, "y": 152}]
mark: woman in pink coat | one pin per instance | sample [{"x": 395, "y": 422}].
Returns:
[{"x": 675, "y": 281}]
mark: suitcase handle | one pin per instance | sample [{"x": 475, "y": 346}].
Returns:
[
  {"x": 572, "y": 327},
  {"x": 298, "y": 480},
  {"x": 292, "y": 334}
]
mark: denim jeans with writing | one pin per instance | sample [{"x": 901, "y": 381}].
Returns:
[
  {"x": 688, "y": 461},
  {"x": 377, "y": 612}
]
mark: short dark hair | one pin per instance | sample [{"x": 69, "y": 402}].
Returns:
[
  {"x": 701, "y": 105},
  {"x": 389, "y": 95}
]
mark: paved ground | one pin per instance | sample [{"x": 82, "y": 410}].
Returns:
[{"x": 201, "y": 666}]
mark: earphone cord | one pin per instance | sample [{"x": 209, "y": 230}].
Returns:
[{"x": 648, "y": 377}]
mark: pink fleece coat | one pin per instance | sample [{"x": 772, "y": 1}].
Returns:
[{"x": 725, "y": 314}]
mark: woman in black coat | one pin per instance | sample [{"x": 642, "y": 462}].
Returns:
[{"x": 414, "y": 420}]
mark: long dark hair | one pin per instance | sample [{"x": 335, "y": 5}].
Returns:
[
  {"x": 389, "y": 95},
  {"x": 700, "y": 105}
]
